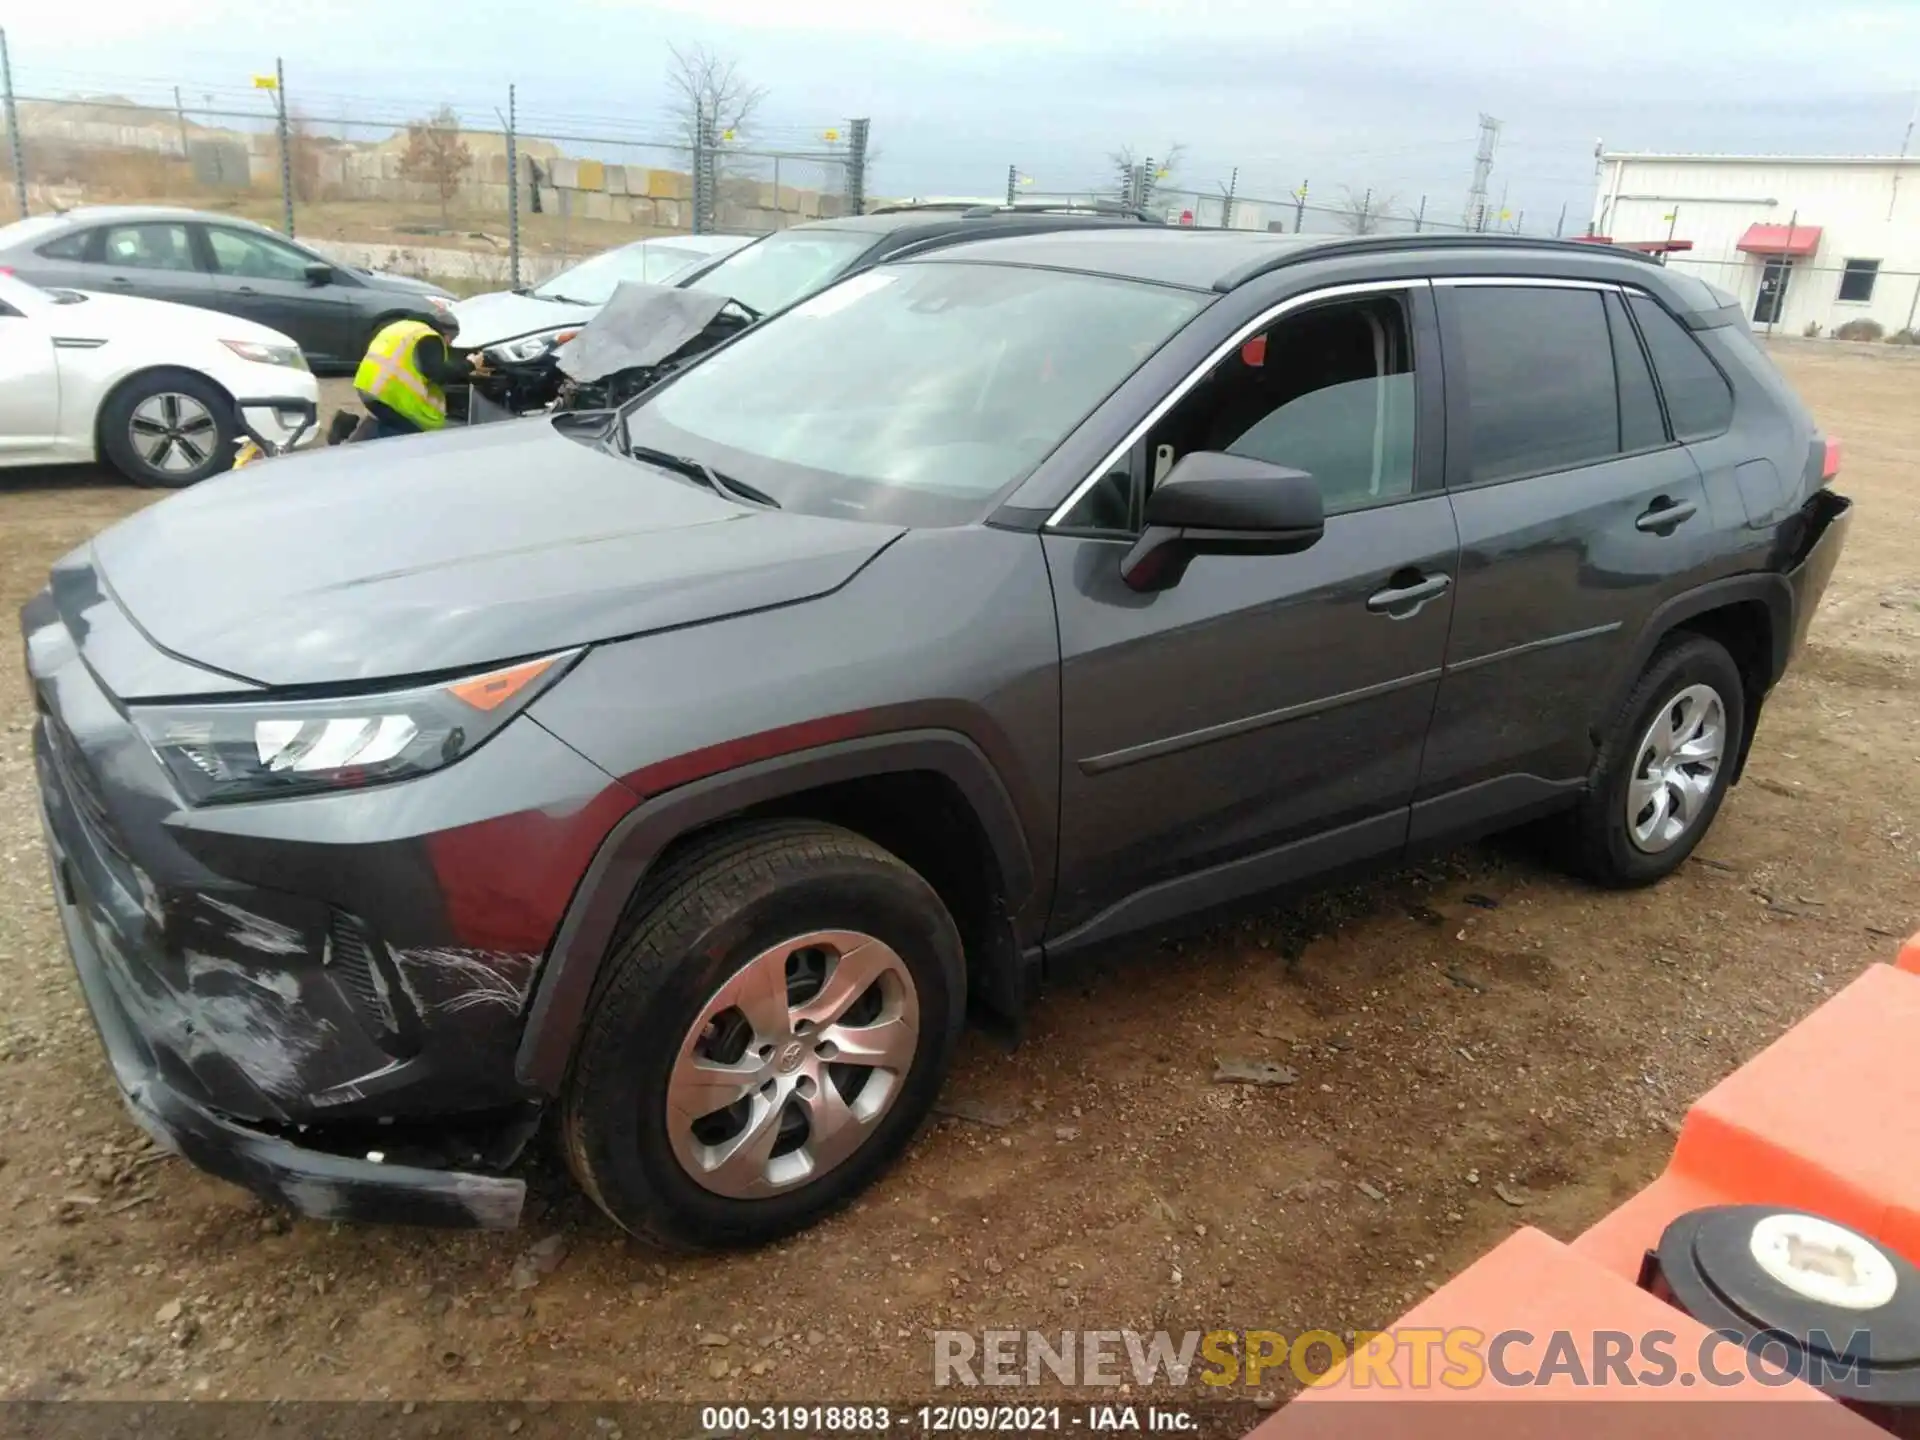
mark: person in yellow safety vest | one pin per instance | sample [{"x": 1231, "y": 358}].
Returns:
[{"x": 403, "y": 379}]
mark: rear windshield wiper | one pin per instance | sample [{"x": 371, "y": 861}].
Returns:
[{"x": 703, "y": 473}]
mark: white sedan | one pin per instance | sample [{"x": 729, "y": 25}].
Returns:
[{"x": 159, "y": 391}]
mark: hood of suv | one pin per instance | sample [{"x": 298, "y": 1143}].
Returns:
[{"x": 445, "y": 552}]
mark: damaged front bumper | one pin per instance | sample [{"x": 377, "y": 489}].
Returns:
[
  {"x": 308, "y": 1181},
  {"x": 317, "y": 998}
]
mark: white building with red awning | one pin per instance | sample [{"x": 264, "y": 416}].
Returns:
[{"x": 1802, "y": 241}]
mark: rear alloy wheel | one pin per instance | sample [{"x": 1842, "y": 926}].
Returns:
[
  {"x": 168, "y": 429},
  {"x": 765, "y": 1036},
  {"x": 1664, "y": 767}
]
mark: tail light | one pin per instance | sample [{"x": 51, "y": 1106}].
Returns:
[{"x": 1830, "y": 461}]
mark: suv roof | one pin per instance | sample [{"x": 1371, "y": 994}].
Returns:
[
  {"x": 950, "y": 218},
  {"x": 1224, "y": 260}
]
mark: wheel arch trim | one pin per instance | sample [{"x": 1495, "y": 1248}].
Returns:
[
  {"x": 1767, "y": 588},
  {"x": 566, "y": 980}
]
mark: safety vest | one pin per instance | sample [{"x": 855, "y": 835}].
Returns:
[{"x": 390, "y": 375}]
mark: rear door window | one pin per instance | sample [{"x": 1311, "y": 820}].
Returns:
[
  {"x": 1539, "y": 368},
  {"x": 1699, "y": 400},
  {"x": 148, "y": 247}
]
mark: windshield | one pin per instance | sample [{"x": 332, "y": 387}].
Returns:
[
  {"x": 593, "y": 281},
  {"x": 912, "y": 394},
  {"x": 785, "y": 267}
]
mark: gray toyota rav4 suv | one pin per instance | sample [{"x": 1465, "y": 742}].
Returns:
[{"x": 682, "y": 775}]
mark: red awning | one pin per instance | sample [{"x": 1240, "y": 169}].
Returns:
[
  {"x": 1792, "y": 240},
  {"x": 1645, "y": 247}
]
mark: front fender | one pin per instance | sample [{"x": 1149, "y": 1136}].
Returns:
[{"x": 567, "y": 979}]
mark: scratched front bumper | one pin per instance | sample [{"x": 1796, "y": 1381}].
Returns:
[
  {"x": 288, "y": 987},
  {"x": 308, "y": 1181}
]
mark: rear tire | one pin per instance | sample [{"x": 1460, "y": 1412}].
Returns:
[
  {"x": 168, "y": 429},
  {"x": 789, "y": 953},
  {"x": 1664, "y": 768}
]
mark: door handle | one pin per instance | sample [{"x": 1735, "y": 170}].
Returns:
[
  {"x": 1403, "y": 600},
  {"x": 1663, "y": 516},
  {"x": 245, "y": 290},
  {"x": 121, "y": 280}
]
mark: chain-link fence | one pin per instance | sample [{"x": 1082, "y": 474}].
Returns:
[
  {"x": 1856, "y": 300},
  {"x": 476, "y": 197},
  {"x": 1343, "y": 211}
]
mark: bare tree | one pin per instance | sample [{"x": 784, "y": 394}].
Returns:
[
  {"x": 437, "y": 155},
  {"x": 710, "y": 87},
  {"x": 303, "y": 153},
  {"x": 1361, "y": 212}
]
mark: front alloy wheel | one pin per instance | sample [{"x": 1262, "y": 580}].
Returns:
[
  {"x": 792, "y": 1063},
  {"x": 174, "y": 434},
  {"x": 766, "y": 1034}
]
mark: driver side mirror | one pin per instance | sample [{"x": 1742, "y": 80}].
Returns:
[
  {"x": 319, "y": 273},
  {"x": 1212, "y": 503}
]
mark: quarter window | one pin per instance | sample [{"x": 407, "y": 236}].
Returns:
[
  {"x": 147, "y": 247},
  {"x": 1539, "y": 365},
  {"x": 71, "y": 246},
  {"x": 1641, "y": 425},
  {"x": 1856, "y": 281},
  {"x": 1699, "y": 400}
]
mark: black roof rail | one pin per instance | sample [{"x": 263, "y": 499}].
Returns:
[
  {"x": 904, "y": 207},
  {"x": 1069, "y": 207},
  {"x": 1388, "y": 244}
]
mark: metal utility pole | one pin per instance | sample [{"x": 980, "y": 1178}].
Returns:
[
  {"x": 180, "y": 114},
  {"x": 513, "y": 190},
  {"x": 1560, "y": 225},
  {"x": 703, "y": 171},
  {"x": 1013, "y": 179},
  {"x": 1420, "y": 216},
  {"x": 286, "y": 142},
  {"x": 857, "y": 131},
  {"x": 1299, "y": 207},
  {"x": 1226, "y": 208},
  {"x": 13, "y": 127},
  {"x": 1476, "y": 213}
]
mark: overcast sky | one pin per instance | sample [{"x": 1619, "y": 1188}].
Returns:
[{"x": 1379, "y": 93}]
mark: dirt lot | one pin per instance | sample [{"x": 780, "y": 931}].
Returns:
[{"x": 1473, "y": 1027}]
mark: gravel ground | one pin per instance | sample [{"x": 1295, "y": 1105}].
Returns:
[{"x": 1478, "y": 1043}]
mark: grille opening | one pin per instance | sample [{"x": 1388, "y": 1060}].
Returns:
[{"x": 367, "y": 973}]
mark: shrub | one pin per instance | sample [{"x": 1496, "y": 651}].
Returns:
[
  {"x": 1903, "y": 337},
  {"x": 1860, "y": 330},
  {"x": 1812, "y": 332}
]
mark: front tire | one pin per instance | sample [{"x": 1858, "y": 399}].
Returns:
[
  {"x": 1664, "y": 768},
  {"x": 168, "y": 429},
  {"x": 771, "y": 1028}
]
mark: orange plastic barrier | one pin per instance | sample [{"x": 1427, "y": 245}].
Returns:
[{"x": 1826, "y": 1119}]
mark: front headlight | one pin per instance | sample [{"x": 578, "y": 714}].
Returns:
[
  {"x": 440, "y": 302},
  {"x": 532, "y": 347},
  {"x": 256, "y": 750},
  {"x": 287, "y": 355}
]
